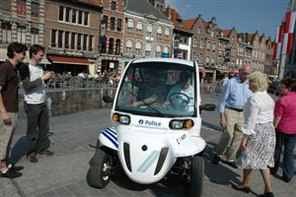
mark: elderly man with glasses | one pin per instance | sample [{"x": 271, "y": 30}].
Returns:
[{"x": 233, "y": 99}]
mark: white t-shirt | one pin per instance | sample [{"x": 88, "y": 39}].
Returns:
[{"x": 37, "y": 95}]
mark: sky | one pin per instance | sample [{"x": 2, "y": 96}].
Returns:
[{"x": 245, "y": 15}]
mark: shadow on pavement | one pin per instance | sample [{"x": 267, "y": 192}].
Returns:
[
  {"x": 218, "y": 173},
  {"x": 212, "y": 126},
  {"x": 19, "y": 150},
  {"x": 171, "y": 186}
]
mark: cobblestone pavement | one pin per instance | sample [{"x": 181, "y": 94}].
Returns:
[{"x": 73, "y": 137}]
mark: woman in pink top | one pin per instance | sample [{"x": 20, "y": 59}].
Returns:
[{"x": 285, "y": 124}]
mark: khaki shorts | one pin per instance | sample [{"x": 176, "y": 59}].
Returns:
[{"x": 6, "y": 133}]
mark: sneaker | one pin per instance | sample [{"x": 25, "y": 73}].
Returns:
[
  {"x": 32, "y": 158},
  {"x": 15, "y": 168},
  {"x": 216, "y": 160},
  {"x": 47, "y": 153},
  {"x": 10, "y": 174}
]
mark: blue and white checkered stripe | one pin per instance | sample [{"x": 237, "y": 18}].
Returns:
[{"x": 111, "y": 136}]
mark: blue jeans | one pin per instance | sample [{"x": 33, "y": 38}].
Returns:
[{"x": 288, "y": 141}]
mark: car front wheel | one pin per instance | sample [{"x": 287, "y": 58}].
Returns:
[{"x": 100, "y": 169}]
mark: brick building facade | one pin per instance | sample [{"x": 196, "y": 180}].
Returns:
[
  {"x": 21, "y": 21},
  {"x": 72, "y": 34},
  {"x": 111, "y": 37},
  {"x": 220, "y": 51}
]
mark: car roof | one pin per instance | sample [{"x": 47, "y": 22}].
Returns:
[{"x": 168, "y": 60}]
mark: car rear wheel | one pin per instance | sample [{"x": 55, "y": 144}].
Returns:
[
  {"x": 197, "y": 176},
  {"x": 100, "y": 169}
]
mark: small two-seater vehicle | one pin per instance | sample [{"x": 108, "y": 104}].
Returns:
[{"x": 155, "y": 125}]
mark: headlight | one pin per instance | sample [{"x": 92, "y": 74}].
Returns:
[
  {"x": 181, "y": 124},
  {"x": 123, "y": 119}
]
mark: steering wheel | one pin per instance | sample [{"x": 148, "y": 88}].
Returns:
[{"x": 185, "y": 100}]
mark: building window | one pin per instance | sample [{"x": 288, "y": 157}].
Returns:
[
  {"x": 34, "y": 9},
  {"x": 86, "y": 18},
  {"x": 103, "y": 44},
  {"x": 112, "y": 23},
  {"x": 158, "y": 51},
  {"x": 53, "y": 38},
  {"x": 74, "y": 15},
  {"x": 167, "y": 33},
  {"x": 60, "y": 39},
  {"x": 166, "y": 49},
  {"x": 139, "y": 27},
  {"x": 79, "y": 41},
  {"x": 80, "y": 17},
  {"x": 21, "y": 34},
  {"x": 73, "y": 40},
  {"x": 159, "y": 31},
  {"x": 21, "y": 7},
  {"x": 67, "y": 44},
  {"x": 149, "y": 30},
  {"x": 129, "y": 45},
  {"x": 117, "y": 48},
  {"x": 130, "y": 25},
  {"x": 85, "y": 42},
  {"x": 105, "y": 21},
  {"x": 111, "y": 44},
  {"x": 138, "y": 48},
  {"x": 6, "y": 32},
  {"x": 113, "y": 5},
  {"x": 90, "y": 43},
  {"x": 68, "y": 10},
  {"x": 119, "y": 24},
  {"x": 61, "y": 13},
  {"x": 34, "y": 36},
  {"x": 148, "y": 50}
]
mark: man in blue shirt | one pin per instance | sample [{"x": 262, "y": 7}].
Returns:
[{"x": 234, "y": 96}]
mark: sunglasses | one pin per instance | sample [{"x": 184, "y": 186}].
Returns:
[{"x": 246, "y": 73}]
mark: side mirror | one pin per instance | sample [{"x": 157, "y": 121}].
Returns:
[
  {"x": 107, "y": 99},
  {"x": 207, "y": 107}
]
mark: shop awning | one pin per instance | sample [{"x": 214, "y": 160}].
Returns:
[{"x": 68, "y": 60}]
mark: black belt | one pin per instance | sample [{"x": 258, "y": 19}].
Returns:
[{"x": 238, "y": 110}]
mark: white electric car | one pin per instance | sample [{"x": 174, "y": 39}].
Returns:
[{"x": 155, "y": 125}]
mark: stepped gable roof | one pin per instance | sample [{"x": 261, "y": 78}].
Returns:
[{"x": 145, "y": 9}]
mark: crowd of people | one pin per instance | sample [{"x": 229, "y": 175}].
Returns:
[{"x": 255, "y": 128}]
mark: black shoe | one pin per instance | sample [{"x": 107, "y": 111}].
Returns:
[
  {"x": 231, "y": 163},
  {"x": 216, "y": 160},
  {"x": 10, "y": 174},
  {"x": 16, "y": 168},
  {"x": 245, "y": 189},
  {"x": 287, "y": 180},
  {"x": 268, "y": 194}
]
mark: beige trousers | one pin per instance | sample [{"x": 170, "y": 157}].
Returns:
[
  {"x": 231, "y": 138},
  {"x": 6, "y": 133}
]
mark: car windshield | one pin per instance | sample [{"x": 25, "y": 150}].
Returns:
[{"x": 158, "y": 89}]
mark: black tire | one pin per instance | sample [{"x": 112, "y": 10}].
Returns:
[
  {"x": 197, "y": 176},
  {"x": 97, "y": 175}
]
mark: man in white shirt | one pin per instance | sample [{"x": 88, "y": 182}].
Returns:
[
  {"x": 183, "y": 91},
  {"x": 33, "y": 78}
]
